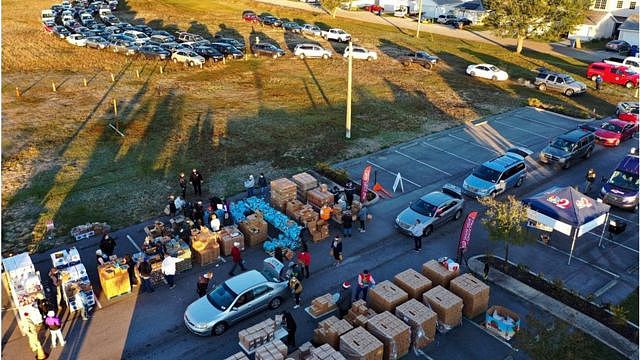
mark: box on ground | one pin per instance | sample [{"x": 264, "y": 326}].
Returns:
[
  {"x": 414, "y": 283},
  {"x": 447, "y": 305},
  {"x": 329, "y": 331},
  {"x": 385, "y": 296},
  {"x": 474, "y": 294},
  {"x": 359, "y": 344},
  {"x": 438, "y": 274},
  {"x": 393, "y": 332},
  {"x": 422, "y": 321}
]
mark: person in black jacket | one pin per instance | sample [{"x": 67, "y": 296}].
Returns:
[
  {"x": 347, "y": 223},
  {"x": 107, "y": 244},
  {"x": 182, "y": 180},
  {"x": 196, "y": 180},
  {"x": 345, "y": 300},
  {"x": 262, "y": 184},
  {"x": 349, "y": 191},
  {"x": 290, "y": 325}
]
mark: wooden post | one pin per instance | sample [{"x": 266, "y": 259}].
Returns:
[
  {"x": 349, "y": 81},
  {"x": 53, "y": 86},
  {"x": 246, "y": 57},
  {"x": 224, "y": 60},
  {"x": 138, "y": 74},
  {"x": 161, "y": 69},
  {"x": 113, "y": 78},
  {"x": 115, "y": 107},
  {"x": 17, "y": 92},
  {"x": 84, "y": 81}
]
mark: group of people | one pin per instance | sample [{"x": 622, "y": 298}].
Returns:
[
  {"x": 250, "y": 185},
  {"x": 365, "y": 281}
]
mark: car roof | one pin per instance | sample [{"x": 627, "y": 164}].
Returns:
[
  {"x": 487, "y": 65},
  {"x": 618, "y": 122},
  {"x": 574, "y": 135},
  {"x": 242, "y": 282},
  {"x": 503, "y": 162},
  {"x": 629, "y": 164},
  {"x": 436, "y": 198}
]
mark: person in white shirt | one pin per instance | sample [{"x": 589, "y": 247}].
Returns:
[
  {"x": 169, "y": 269},
  {"x": 417, "y": 231},
  {"x": 215, "y": 223}
]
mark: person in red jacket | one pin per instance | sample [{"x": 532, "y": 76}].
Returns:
[
  {"x": 304, "y": 259},
  {"x": 236, "y": 257}
]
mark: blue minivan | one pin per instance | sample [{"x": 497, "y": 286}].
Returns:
[
  {"x": 497, "y": 175},
  {"x": 621, "y": 189}
]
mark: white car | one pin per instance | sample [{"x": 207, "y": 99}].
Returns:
[
  {"x": 311, "y": 30},
  {"x": 188, "y": 57},
  {"x": 77, "y": 40},
  {"x": 139, "y": 38},
  {"x": 336, "y": 35},
  {"x": 311, "y": 50},
  {"x": 487, "y": 71},
  {"x": 361, "y": 53}
]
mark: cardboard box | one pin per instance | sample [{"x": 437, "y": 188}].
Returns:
[
  {"x": 258, "y": 334},
  {"x": 438, "y": 274},
  {"x": 322, "y": 304},
  {"x": 329, "y": 331},
  {"x": 414, "y": 283},
  {"x": 273, "y": 350},
  {"x": 422, "y": 321},
  {"x": 393, "y": 332},
  {"x": 324, "y": 352},
  {"x": 229, "y": 235},
  {"x": 446, "y": 304},
  {"x": 238, "y": 356},
  {"x": 474, "y": 294},
  {"x": 254, "y": 229},
  {"x": 304, "y": 181},
  {"x": 359, "y": 344},
  {"x": 318, "y": 198},
  {"x": 385, "y": 296},
  {"x": 359, "y": 313},
  {"x": 282, "y": 191},
  {"x": 207, "y": 256}
]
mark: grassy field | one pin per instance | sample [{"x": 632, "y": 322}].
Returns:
[{"x": 60, "y": 161}]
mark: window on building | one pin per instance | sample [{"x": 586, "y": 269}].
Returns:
[
  {"x": 632, "y": 5},
  {"x": 619, "y": 4},
  {"x": 600, "y": 4}
]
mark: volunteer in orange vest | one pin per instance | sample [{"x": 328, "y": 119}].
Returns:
[{"x": 365, "y": 281}]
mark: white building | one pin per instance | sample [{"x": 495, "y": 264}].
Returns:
[
  {"x": 628, "y": 31},
  {"x": 604, "y": 19},
  {"x": 472, "y": 9}
]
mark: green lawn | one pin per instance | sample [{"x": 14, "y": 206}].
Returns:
[
  {"x": 62, "y": 162},
  {"x": 631, "y": 304}
]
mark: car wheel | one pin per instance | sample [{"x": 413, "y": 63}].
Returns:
[
  {"x": 473, "y": 73},
  {"x": 427, "y": 231},
  {"x": 428, "y": 66},
  {"x": 494, "y": 78},
  {"x": 191, "y": 63},
  {"x": 593, "y": 77},
  {"x": 628, "y": 85},
  {"x": 458, "y": 215},
  {"x": 301, "y": 56},
  {"x": 520, "y": 181},
  {"x": 542, "y": 87},
  {"x": 219, "y": 328},
  {"x": 325, "y": 56},
  {"x": 370, "y": 58},
  {"x": 569, "y": 92},
  {"x": 275, "y": 303}
]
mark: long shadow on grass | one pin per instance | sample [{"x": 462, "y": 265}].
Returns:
[
  {"x": 264, "y": 38},
  {"x": 201, "y": 29},
  {"x": 229, "y": 32},
  {"x": 393, "y": 49},
  {"x": 158, "y": 24},
  {"x": 316, "y": 82}
]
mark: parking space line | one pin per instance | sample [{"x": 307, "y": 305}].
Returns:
[
  {"x": 512, "y": 142},
  {"x": 421, "y": 162},
  {"x": 621, "y": 218},
  {"x": 542, "y": 123},
  {"x": 492, "y": 334},
  {"x": 133, "y": 243},
  {"x": 604, "y": 238},
  {"x": 450, "y": 153},
  {"x": 580, "y": 259},
  {"x": 474, "y": 143},
  {"x": 394, "y": 174},
  {"x": 521, "y": 129}
]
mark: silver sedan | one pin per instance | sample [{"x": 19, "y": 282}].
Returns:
[{"x": 433, "y": 210}]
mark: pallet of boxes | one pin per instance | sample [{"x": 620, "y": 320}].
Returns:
[
  {"x": 253, "y": 337},
  {"x": 227, "y": 236},
  {"x": 282, "y": 191},
  {"x": 254, "y": 228},
  {"x": 307, "y": 351},
  {"x": 359, "y": 313},
  {"x": 394, "y": 334},
  {"x": 304, "y": 182},
  {"x": 422, "y": 321},
  {"x": 321, "y": 305},
  {"x": 330, "y": 330},
  {"x": 385, "y": 296},
  {"x": 361, "y": 345},
  {"x": 204, "y": 244},
  {"x": 447, "y": 305},
  {"x": 320, "y": 196},
  {"x": 474, "y": 294}
]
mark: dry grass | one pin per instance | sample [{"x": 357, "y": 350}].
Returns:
[{"x": 61, "y": 162}]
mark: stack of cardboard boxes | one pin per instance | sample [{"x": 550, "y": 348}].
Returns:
[
  {"x": 361, "y": 345},
  {"x": 438, "y": 274},
  {"x": 238, "y": 356},
  {"x": 422, "y": 321},
  {"x": 205, "y": 246},
  {"x": 329, "y": 331},
  {"x": 305, "y": 214},
  {"x": 322, "y": 304},
  {"x": 474, "y": 294},
  {"x": 274, "y": 350},
  {"x": 258, "y": 334},
  {"x": 320, "y": 196},
  {"x": 414, "y": 283},
  {"x": 336, "y": 212},
  {"x": 304, "y": 182},
  {"x": 319, "y": 230},
  {"x": 385, "y": 296},
  {"x": 447, "y": 305},
  {"x": 324, "y": 352},
  {"x": 229, "y": 235},
  {"x": 292, "y": 207},
  {"x": 254, "y": 229},
  {"x": 282, "y": 191},
  {"x": 393, "y": 332},
  {"x": 359, "y": 313}
]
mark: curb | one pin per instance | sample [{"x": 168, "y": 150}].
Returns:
[{"x": 561, "y": 115}]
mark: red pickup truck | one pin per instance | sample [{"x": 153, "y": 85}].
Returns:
[{"x": 613, "y": 74}]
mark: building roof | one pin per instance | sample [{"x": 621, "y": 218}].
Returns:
[
  {"x": 595, "y": 17},
  {"x": 631, "y": 23},
  {"x": 471, "y": 5}
]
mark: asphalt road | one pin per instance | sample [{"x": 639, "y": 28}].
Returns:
[{"x": 150, "y": 326}]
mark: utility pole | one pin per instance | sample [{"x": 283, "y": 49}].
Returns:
[
  {"x": 419, "y": 18},
  {"x": 349, "y": 81}
]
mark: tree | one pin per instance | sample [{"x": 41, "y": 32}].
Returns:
[
  {"x": 331, "y": 6},
  {"x": 535, "y": 18},
  {"x": 505, "y": 221}
]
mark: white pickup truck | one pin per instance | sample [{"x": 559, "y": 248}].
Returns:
[
  {"x": 47, "y": 15},
  {"x": 336, "y": 35},
  {"x": 632, "y": 63}
]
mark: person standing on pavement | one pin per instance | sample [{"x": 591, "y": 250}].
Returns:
[
  {"x": 336, "y": 250},
  {"x": 172, "y": 206},
  {"x": 33, "y": 335},
  {"x": 182, "y": 180},
  {"x": 362, "y": 217},
  {"x": 131, "y": 269},
  {"x": 196, "y": 180},
  {"x": 55, "y": 329},
  {"x": 304, "y": 259},
  {"x": 203, "y": 283},
  {"x": 56, "y": 281},
  {"x": 290, "y": 325},
  {"x": 598, "y": 82},
  {"x": 215, "y": 223},
  {"x": 262, "y": 183},
  {"x": 349, "y": 191},
  {"x": 249, "y": 184},
  {"x": 296, "y": 289},
  {"x": 416, "y": 232},
  {"x": 344, "y": 301},
  {"x": 144, "y": 269},
  {"x": 365, "y": 281},
  {"x": 169, "y": 269},
  {"x": 347, "y": 223},
  {"x": 236, "y": 257},
  {"x": 81, "y": 302},
  {"x": 107, "y": 245}
]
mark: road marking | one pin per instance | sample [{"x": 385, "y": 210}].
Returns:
[
  {"x": 421, "y": 162},
  {"x": 392, "y": 173},
  {"x": 542, "y": 123},
  {"x": 580, "y": 259},
  {"x": 521, "y": 129},
  {"x": 621, "y": 218},
  {"x": 605, "y": 288},
  {"x": 133, "y": 243},
  {"x": 604, "y": 238},
  {"x": 419, "y": 352},
  {"x": 474, "y": 144},
  {"x": 450, "y": 153},
  {"x": 492, "y": 334}
]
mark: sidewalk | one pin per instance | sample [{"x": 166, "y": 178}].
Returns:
[{"x": 558, "y": 48}]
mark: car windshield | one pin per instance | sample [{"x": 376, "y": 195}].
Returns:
[
  {"x": 423, "y": 208},
  {"x": 221, "y": 297},
  {"x": 487, "y": 174},
  {"x": 624, "y": 180},
  {"x": 568, "y": 79},
  {"x": 562, "y": 144},
  {"x": 612, "y": 127},
  {"x": 493, "y": 68}
]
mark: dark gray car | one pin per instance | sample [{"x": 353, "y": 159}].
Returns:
[{"x": 567, "y": 148}]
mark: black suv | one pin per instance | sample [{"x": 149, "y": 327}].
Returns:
[{"x": 569, "y": 147}]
